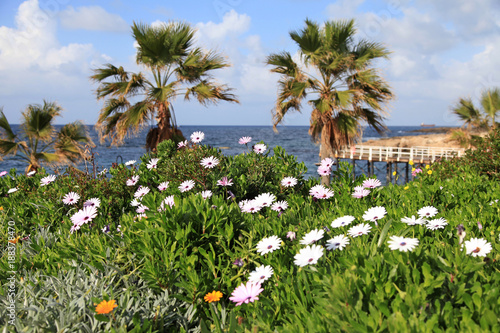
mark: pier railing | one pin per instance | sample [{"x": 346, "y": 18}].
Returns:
[{"x": 399, "y": 154}]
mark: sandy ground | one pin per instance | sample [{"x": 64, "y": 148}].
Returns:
[{"x": 426, "y": 140}]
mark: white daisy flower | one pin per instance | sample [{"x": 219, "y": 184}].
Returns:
[
  {"x": 477, "y": 247},
  {"x": 167, "y": 201},
  {"x": 374, "y": 214},
  {"x": 251, "y": 206},
  {"x": 71, "y": 198},
  {"x": 12, "y": 190},
  {"x": 337, "y": 242},
  {"x": 342, "y": 221},
  {"x": 186, "y": 185},
  {"x": 360, "y": 229},
  {"x": 182, "y": 144},
  {"x": 413, "y": 220},
  {"x": 153, "y": 163},
  {"x": 132, "y": 181},
  {"x": 141, "y": 192},
  {"x": 268, "y": 245},
  {"x": 131, "y": 162},
  {"x": 288, "y": 182},
  {"x": 279, "y": 206},
  {"x": 93, "y": 202},
  {"x": 427, "y": 211},
  {"x": 260, "y": 274},
  {"x": 163, "y": 186},
  {"x": 402, "y": 243},
  {"x": 436, "y": 224},
  {"x": 265, "y": 199},
  {"x": 308, "y": 255},
  {"x": 312, "y": 237},
  {"x": 209, "y": 162},
  {"x": 197, "y": 137},
  {"x": 103, "y": 172},
  {"x": 259, "y": 148},
  {"x": 47, "y": 180},
  {"x": 206, "y": 194},
  {"x": 135, "y": 203},
  {"x": 31, "y": 173}
]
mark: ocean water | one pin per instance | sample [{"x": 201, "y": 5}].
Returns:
[{"x": 294, "y": 139}]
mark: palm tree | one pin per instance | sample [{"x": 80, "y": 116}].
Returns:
[
  {"x": 475, "y": 117},
  {"x": 490, "y": 101},
  {"x": 468, "y": 113},
  {"x": 39, "y": 142},
  {"x": 174, "y": 67},
  {"x": 345, "y": 91}
]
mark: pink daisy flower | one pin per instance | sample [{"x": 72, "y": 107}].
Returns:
[
  {"x": 182, "y": 144},
  {"x": 225, "y": 182},
  {"x": 244, "y": 140},
  {"x": 324, "y": 170},
  {"x": 71, "y": 198},
  {"x": 323, "y": 193},
  {"x": 3, "y": 173},
  {"x": 246, "y": 293},
  {"x": 186, "y": 185},
  {"x": 371, "y": 183},
  {"x": 209, "y": 162},
  {"x": 361, "y": 193},
  {"x": 327, "y": 162}
]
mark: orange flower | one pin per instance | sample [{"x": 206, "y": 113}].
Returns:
[
  {"x": 105, "y": 306},
  {"x": 1, "y": 208},
  {"x": 214, "y": 296},
  {"x": 15, "y": 240}
]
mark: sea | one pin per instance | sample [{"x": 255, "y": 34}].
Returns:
[{"x": 294, "y": 139}]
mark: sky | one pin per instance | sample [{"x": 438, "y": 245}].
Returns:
[{"x": 440, "y": 51}]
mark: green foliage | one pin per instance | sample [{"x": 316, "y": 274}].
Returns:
[
  {"x": 158, "y": 267},
  {"x": 482, "y": 160},
  {"x": 251, "y": 173}
]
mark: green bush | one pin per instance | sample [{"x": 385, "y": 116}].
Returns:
[{"x": 159, "y": 266}]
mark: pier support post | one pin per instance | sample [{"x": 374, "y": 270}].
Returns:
[{"x": 389, "y": 167}]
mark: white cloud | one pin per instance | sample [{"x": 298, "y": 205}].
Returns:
[
  {"x": 92, "y": 18},
  {"x": 343, "y": 9},
  {"x": 32, "y": 60},
  {"x": 233, "y": 24}
]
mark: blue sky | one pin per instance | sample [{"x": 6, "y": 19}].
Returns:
[{"x": 441, "y": 51}]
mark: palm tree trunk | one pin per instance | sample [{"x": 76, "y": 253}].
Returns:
[{"x": 324, "y": 152}]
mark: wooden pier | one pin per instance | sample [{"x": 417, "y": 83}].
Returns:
[{"x": 392, "y": 157}]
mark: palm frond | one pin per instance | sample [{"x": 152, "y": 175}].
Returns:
[
  {"x": 110, "y": 71},
  {"x": 207, "y": 92},
  {"x": 490, "y": 101},
  {"x": 6, "y": 130}
]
